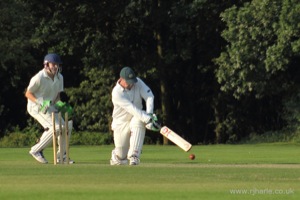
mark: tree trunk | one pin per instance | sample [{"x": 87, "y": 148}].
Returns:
[
  {"x": 218, "y": 132},
  {"x": 162, "y": 72},
  {"x": 164, "y": 106}
]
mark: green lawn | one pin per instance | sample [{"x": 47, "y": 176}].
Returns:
[{"x": 265, "y": 171}]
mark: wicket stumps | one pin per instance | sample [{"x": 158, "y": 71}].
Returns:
[{"x": 63, "y": 134}]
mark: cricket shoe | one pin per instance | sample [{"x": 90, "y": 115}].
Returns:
[
  {"x": 134, "y": 160},
  {"x": 65, "y": 160},
  {"x": 116, "y": 161},
  {"x": 39, "y": 156}
]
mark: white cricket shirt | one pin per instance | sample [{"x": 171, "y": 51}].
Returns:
[
  {"x": 129, "y": 103},
  {"x": 41, "y": 85}
]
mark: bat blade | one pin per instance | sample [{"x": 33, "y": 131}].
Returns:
[{"x": 175, "y": 138}]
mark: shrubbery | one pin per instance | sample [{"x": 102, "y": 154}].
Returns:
[
  {"x": 271, "y": 137},
  {"x": 17, "y": 139},
  {"x": 25, "y": 139},
  {"x": 30, "y": 135},
  {"x": 91, "y": 138}
]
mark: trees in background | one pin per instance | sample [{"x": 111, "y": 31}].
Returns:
[
  {"x": 259, "y": 66},
  {"x": 219, "y": 70},
  {"x": 17, "y": 56}
]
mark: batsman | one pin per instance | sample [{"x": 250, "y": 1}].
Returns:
[
  {"x": 130, "y": 120},
  {"x": 42, "y": 93}
]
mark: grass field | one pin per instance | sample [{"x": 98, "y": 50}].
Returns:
[{"x": 264, "y": 171}]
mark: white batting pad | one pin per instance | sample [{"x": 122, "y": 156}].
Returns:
[
  {"x": 136, "y": 141},
  {"x": 44, "y": 141}
]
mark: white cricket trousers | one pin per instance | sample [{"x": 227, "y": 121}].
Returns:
[
  {"x": 129, "y": 139},
  {"x": 46, "y": 121}
]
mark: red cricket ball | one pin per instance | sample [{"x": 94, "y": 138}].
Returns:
[{"x": 192, "y": 156}]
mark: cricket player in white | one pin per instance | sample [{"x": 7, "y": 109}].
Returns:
[
  {"x": 42, "y": 93},
  {"x": 129, "y": 119}
]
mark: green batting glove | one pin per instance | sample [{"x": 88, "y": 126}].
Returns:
[
  {"x": 153, "y": 124},
  {"x": 59, "y": 105},
  {"x": 63, "y": 108},
  {"x": 45, "y": 106},
  {"x": 154, "y": 119},
  {"x": 70, "y": 111}
]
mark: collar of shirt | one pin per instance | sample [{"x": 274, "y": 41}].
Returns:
[
  {"x": 45, "y": 74},
  {"x": 120, "y": 87}
]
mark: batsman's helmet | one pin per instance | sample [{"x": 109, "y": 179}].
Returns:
[{"x": 52, "y": 58}]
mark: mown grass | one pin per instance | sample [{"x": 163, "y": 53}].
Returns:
[{"x": 264, "y": 171}]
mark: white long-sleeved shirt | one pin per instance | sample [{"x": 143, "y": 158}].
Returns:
[{"x": 129, "y": 103}]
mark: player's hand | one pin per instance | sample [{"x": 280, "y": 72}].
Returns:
[
  {"x": 64, "y": 108},
  {"x": 153, "y": 123},
  {"x": 153, "y": 117},
  {"x": 43, "y": 105},
  {"x": 153, "y": 127},
  {"x": 59, "y": 106}
]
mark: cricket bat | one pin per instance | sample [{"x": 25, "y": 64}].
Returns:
[{"x": 176, "y": 139}]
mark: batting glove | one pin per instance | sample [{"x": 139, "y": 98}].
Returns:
[
  {"x": 63, "y": 108},
  {"x": 43, "y": 105},
  {"x": 153, "y": 123}
]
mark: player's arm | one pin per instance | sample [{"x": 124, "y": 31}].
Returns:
[
  {"x": 123, "y": 102},
  {"x": 32, "y": 88},
  {"x": 147, "y": 95},
  {"x": 29, "y": 95},
  {"x": 43, "y": 104},
  {"x": 150, "y": 120}
]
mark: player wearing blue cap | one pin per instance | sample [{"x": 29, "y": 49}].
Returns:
[{"x": 42, "y": 93}]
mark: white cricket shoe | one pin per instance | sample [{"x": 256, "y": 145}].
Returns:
[
  {"x": 116, "y": 161},
  {"x": 65, "y": 160},
  {"x": 134, "y": 160},
  {"x": 39, "y": 157}
]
